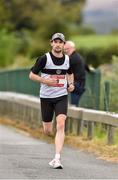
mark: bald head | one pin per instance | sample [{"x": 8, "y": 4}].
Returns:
[
  {"x": 69, "y": 47},
  {"x": 70, "y": 43}
]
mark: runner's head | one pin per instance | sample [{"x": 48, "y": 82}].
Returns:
[{"x": 57, "y": 43}]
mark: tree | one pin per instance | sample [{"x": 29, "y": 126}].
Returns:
[
  {"x": 35, "y": 14},
  {"x": 41, "y": 18}
]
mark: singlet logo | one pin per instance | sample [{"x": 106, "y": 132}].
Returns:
[{"x": 58, "y": 71}]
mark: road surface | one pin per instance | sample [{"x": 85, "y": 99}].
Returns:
[{"x": 23, "y": 157}]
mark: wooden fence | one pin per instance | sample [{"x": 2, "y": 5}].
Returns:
[{"x": 26, "y": 108}]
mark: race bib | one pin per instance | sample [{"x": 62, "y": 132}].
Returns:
[{"x": 60, "y": 80}]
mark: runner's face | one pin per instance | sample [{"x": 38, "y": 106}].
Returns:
[{"x": 57, "y": 45}]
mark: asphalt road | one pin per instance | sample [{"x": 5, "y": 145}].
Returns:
[{"x": 22, "y": 157}]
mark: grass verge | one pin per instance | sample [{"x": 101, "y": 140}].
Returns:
[{"x": 96, "y": 146}]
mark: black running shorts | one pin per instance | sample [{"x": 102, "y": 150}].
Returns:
[{"x": 51, "y": 105}]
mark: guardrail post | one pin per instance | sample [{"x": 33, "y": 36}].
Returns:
[
  {"x": 68, "y": 125},
  {"x": 106, "y": 99},
  {"x": 80, "y": 127},
  {"x": 90, "y": 130},
  {"x": 110, "y": 135},
  {"x": 106, "y": 95}
]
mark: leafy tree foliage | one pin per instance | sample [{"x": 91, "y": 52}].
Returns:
[
  {"x": 39, "y": 14},
  {"x": 9, "y": 46},
  {"x": 34, "y": 21}
]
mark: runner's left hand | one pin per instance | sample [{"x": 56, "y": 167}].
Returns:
[{"x": 71, "y": 87}]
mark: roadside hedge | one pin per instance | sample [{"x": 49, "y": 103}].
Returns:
[{"x": 99, "y": 55}]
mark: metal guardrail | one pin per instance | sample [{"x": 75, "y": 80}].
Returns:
[
  {"x": 17, "y": 80},
  {"x": 27, "y": 108}
]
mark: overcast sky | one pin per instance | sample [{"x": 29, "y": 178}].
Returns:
[
  {"x": 102, "y": 15},
  {"x": 101, "y": 4}
]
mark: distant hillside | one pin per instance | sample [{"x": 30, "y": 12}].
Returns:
[{"x": 101, "y": 15}]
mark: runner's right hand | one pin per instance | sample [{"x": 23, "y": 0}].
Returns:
[{"x": 51, "y": 81}]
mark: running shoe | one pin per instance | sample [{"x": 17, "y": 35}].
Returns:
[{"x": 56, "y": 164}]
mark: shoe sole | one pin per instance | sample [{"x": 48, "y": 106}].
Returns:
[{"x": 59, "y": 167}]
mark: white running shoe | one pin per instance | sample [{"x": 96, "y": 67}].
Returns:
[{"x": 56, "y": 164}]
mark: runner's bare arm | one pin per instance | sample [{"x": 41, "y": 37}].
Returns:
[
  {"x": 36, "y": 77},
  {"x": 70, "y": 80}
]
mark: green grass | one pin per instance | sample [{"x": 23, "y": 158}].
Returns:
[
  {"x": 100, "y": 133},
  {"x": 109, "y": 73},
  {"x": 94, "y": 41}
]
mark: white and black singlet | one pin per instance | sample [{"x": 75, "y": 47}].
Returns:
[{"x": 53, "y": 67}]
